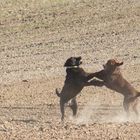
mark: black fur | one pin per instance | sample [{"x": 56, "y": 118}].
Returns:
[{"x": 76, "y": 80}]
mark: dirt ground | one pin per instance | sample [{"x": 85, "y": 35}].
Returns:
[{"x": 36, "y": 37}]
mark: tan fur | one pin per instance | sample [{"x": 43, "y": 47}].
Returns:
[{"x": 113, "y": 79}]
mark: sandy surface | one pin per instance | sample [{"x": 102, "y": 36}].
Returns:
[{"x": 36, "y": 37}]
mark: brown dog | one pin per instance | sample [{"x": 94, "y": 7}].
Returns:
[
  {"x": 76, "y": 80},
  {"x": 113, "y": 79}
]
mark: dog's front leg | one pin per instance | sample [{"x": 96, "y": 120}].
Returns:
[
  {"x": 100, "y": 75},
  {"x": 95, "y": 82},
  {"x": 89, "y": 76}
]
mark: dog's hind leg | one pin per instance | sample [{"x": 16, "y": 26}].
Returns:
[
  {"x": 62, "y": 105},
  {"x": 134, "y": 107},
  {"x": 126, "y": 106},
  {"x": 130, "y": 101},
  {"x": 73, "y": 106}
]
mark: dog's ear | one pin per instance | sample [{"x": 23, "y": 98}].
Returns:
[
  {"x": 67, "y": 62},
  {"x": 116, "y": 62}
]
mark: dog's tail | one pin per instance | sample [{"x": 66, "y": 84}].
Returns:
[{"x": 57, "y": 92}]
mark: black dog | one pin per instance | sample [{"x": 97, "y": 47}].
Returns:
[
  {"x": 113, "y": 79},
  {"x": 76, "y": 80}
]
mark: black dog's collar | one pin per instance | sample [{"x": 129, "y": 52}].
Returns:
[{"x": 69, "y": 67}]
